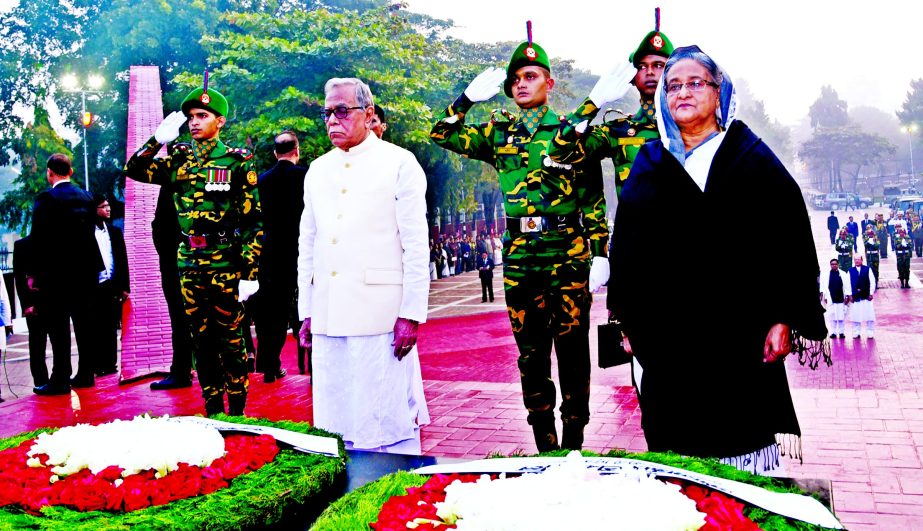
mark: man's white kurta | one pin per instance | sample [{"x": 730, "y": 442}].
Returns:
[
  {"x": 835, "y": 312},
  {"x": 363, "y": 261},
  {"x": 863, "y": 311}
]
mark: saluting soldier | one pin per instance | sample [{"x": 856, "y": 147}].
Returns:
[
  {"x": 903, "y": 248},
  {"x": 844, "y": 247},
  {"x": 217, "y": 205},
  {"x": 555, "y": 225},
  {"x": 622, "y": 136},
  {"x": 871, "y": 245}
]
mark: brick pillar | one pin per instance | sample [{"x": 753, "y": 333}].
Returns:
[{"x": 146, "y": 347}]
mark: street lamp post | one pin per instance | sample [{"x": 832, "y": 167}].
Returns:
[
  {"x": 910, "y": 130},
  {"x": 72, "y": 84}
]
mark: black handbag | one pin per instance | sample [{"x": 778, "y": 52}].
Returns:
[{"x": 611, "y": 350}]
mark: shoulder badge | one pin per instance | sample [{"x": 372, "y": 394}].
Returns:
[
  {"x": 242, "y": 153},
  {"x": 251, "y": 178}
]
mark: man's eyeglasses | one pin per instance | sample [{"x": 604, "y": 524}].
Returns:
[
  {"x": 340, "y": 111},
  {"x": 695, "y": 86}
]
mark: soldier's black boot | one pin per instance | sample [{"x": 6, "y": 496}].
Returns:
[
  {"x": 214, "y": 405},
  {"x": 572, "y": 436},
  {"x": 546, "y": 436},
  {"x": 236, "y": 404}
]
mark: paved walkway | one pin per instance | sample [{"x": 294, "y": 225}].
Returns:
[{"x": 862, "y": 418}]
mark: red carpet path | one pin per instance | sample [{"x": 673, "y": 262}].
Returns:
[{"x": 862, "y": 418}]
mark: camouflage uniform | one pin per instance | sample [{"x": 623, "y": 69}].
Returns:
[
  {"x": 871, "y": 245},
  {"x": 217, "y": 204},
  {"x": 844, "y": 246},
  {"x": 545, "y": 272},
  {"x": 916, "y": 234},
  {"x": 903, "y": 248}
]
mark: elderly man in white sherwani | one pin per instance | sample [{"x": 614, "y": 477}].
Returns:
[
  {"x": 836, "y": 291},
  {"x": 861, "y": 310},
  {"x": 363, "y": 279}
]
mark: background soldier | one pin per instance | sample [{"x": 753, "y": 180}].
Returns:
[
  {"x": 881, "y": 230},
  {"x": 622, "y": 137},
  {"x": 217, "y": 205},
  {"x": 870, "y": 242},
  {"x": 844, "y": 244},
  {"x": 916, "y": 235},
  {"x": 903, "y": 248},
  {"x": 555, "y": 223}
]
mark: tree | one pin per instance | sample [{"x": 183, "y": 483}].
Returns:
[
  {"x": 37, "y": 143},
  {"x": 912, "y": 109},
  {"x": 753, "y": 112},
  {"x": 844, "y": 150},
  {"x": 828, "y": 110}
]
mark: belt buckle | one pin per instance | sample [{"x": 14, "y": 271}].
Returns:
[
  {"x": 530, "y": 224},
  {"x": 197, "y": 242}
]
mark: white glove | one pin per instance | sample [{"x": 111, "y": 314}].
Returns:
[
  {"x": 599, "y": 273},
  {"x": 246, "y": 288},
  {"x": 613, "y": 85},
  {"x": 486, "y": 85},
  {"x": 168, "y": 130}
]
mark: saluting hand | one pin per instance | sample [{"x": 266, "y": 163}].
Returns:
[
  {"x": 486, "y": 85},
  {"x": 168, "y": 130},
  {"x": 613, "y": 85}
]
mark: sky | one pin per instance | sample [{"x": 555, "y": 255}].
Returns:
[{"x": 785, "y": 49}]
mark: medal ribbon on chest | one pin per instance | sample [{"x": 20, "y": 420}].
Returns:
[{"x": 217, "y": 180}]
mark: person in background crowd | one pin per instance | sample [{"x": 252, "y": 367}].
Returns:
[
  {"x": 62, "y": 237},
  {"x": 881, "y": 230},
  {"x": 282, "y": 202},
  {"x": 896, "y": 222},
  {"x": 704, "y": 162},
  {"x": 217, "y": 206},
  {"x": 916, "y": 234},
  {"x": 844, "y": 248},
  {"x": 362, "y": 279},
  {"x": 861, "y": 310},
  {"x": 836, "y": 290},
  {"x": 24, "y": 268},
  {"x": 111, "y": 291},
  {"x": 866, "y": 222},
  {"x": 485, "y": 267},
  {"x": 903, "y": 248},
  {"x": 871, "y": 246},
  {"x": 379, "y": 125},
  {"x": 853, "y": 229},
  {"x": 465, "y": 256},
  {"x": 833, "y": 225}
]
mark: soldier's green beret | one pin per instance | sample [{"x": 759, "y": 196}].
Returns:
[
  {"x": 527, "y": 54},
  {"x": 212, "y": 100},
  {"x": 654, "y": 43}
]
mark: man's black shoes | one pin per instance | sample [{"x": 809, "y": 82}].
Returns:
[
  {"x": 171, "y": 382},
  {"x": 50, "y": 389},
  {"x": 82, "y": 382},
  {"x": 271, "y": 377}
]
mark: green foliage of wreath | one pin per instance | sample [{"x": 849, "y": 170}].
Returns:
[
  {"x": 253, "y": 500},
  {"x": 359, "y": 508}
]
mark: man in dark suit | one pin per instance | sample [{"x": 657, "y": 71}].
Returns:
[
  {"x": 485, "y": 267},
  {"x": 165, "y": 232},
  {"x": 67, "y": 270},
  {"x": 111, "y": 290},
  {"x": 281, "y": 201},
  {"x": 24, "y": 276},
  {"x": 833, "y": 225},
  {"x": 866, "y": 222},
  {"x": 853, "y": 228}
]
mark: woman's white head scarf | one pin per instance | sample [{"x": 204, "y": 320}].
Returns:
[{"x": 727, "y": 105}]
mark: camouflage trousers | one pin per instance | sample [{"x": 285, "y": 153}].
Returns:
[
  {"x": 903, "y": 265},
  {"x": 214, "y": 317},
  {"x": 545, "y": 282},
  {"x": 873, "y": 261}
]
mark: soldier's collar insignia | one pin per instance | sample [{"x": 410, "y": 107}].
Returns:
[{"x": 631, "y": 132}]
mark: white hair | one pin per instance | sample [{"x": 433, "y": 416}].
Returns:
[{"x": 364, "y": 96}]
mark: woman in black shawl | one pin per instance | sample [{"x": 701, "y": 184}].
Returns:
[{"x": 709, "y": 335}]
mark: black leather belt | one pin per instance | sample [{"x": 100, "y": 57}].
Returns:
[{"x": 529, "y": 224}]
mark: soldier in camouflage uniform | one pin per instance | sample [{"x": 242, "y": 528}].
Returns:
[
  {"x": 871, "y": 246},
  {"x": 555, "y": 225},
  {"x": 217, "y": 204},
  {"x": 903, "y": 248},
  {"x": 916, "y": 234},
  {"x": 843, "y": 246},
  {"x": 881, "y": 230},
  {"x": 621, "y": 137}
]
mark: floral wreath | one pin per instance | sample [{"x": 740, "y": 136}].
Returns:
[{"x": 252, "y": 500}]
